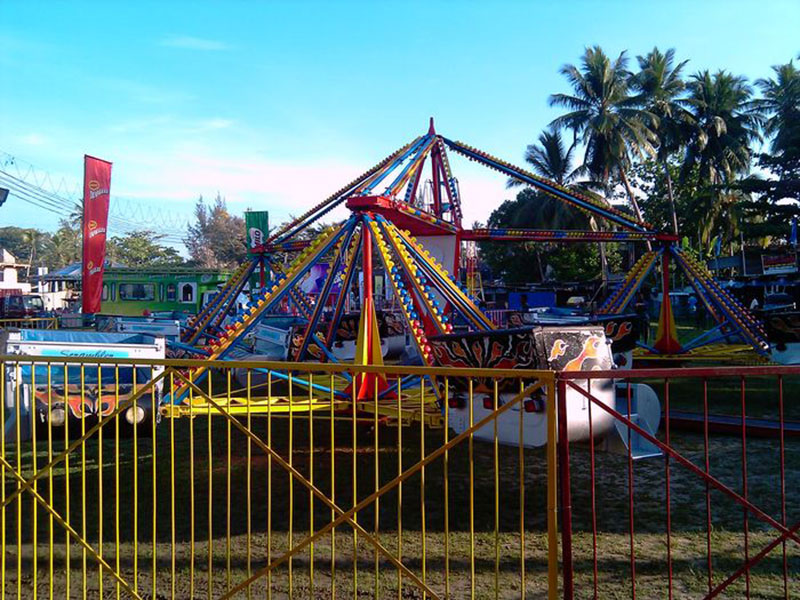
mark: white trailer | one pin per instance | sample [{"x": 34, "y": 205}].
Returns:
[{"x": 88, "y": 390}]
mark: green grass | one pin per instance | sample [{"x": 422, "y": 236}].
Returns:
[{"x": 229, "y": 519}]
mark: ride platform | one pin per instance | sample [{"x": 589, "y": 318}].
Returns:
[{"x": 732, "y": 354}]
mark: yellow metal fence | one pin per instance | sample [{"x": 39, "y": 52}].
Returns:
[
  {"x": 30, "y": 323},
  {"x": 269, "y": 480}
]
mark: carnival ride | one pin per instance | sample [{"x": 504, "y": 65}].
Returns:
[{"x": 417, "y": 239}]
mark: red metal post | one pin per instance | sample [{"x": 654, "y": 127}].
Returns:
[
  {"x": 744, "y": 490},
  {"x": 564, "y": 491},
  {"x": 630, "y": 500},
  {"x": 783, "y": 485},
  {"x": 709, "y": 565},
  {"x": 667, "y": 484},
  {"x": 367, "y": 302},
  {"x": 366, "y": 351},
  {"x": 366, "y": 264},
  {"x": 592, "y": 491}
]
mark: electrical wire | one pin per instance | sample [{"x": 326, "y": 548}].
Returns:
[{"x": 125, "y": 213}]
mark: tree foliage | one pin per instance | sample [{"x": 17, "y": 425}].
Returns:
[
  {"x": 67, "y": 245},
  {"x": 64, "y": 247},
  {"x": 687, "y": 146},
  {"x": 602, "y": 113},
  {"x": 536, "y": 261},
  {"x": 141, "y": 249},
  {"x": 217, "y": 239},
  {"x": 41, "y": 248}
]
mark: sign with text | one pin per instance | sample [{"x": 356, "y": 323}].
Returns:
[
  {"x": 257, "y": 224},
  {"x": 96, "y": 186},
  {"x": 779, "y": 263}
]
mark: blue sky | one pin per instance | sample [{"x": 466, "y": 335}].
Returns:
[{"x": 275, "y": 105}]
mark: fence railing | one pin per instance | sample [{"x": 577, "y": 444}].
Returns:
[
  {"x": 715, "y": 513},
  {"x": 30, "y": 323},
  {"x": 499, "y": 316},
  {"x": 148, "y": 479},
  {"x": 270, "y": 480}
]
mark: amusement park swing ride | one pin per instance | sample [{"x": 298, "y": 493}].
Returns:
[{"x": 417, "y": 246}]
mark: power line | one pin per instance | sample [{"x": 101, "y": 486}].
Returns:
[
  {"x": 40, "y": 177},
  {"x": 55, "y": 202},
  {"x": 35, "y": 199},
  {"x": 123, "y": 211}
]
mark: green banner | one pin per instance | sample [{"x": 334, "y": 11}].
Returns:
[{"x": 257, "y": 224}]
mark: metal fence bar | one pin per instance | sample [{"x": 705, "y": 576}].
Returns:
[
  {"x": 667, "y": 488},
  {"x": 740, "y": 426},
  {"x": 783, "y": 484},
  {"x": 462, "y": 535},
  {"x": 709, "y": 566},
  {"x": 745, "y": 515},
  {"x": 565, "y": 492},
  {"x": 30, "y": 323}
]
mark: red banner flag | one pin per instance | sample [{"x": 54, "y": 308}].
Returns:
[{"x": 96, "y": 186}]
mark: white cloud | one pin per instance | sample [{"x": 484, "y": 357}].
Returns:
[
  {"x": 188, "y": 42},
  {"x": 213, "y": 124},
  {"x": 282, "y": 187},
  {"x": 143, "y": 92},
  {"x": 139, "y": 125},
  {"x": 168, "y": 127},
  {"x": 178, "y": 176},
  {"x": 34, "y": 139}
]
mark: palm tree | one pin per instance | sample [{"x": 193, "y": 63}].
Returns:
[
  {"x": 781, "y": 101},
  {"x": 35, "y": 239},
  {"x": 726, "y": 122},
  {"x": 659, "y": 86},
  {"x": 550, "y": 158},
  {"x": 606, "y": 118}
]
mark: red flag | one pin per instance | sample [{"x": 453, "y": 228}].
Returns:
[{"x": 96, "y": 185}]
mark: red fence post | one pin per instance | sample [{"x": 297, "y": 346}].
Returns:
[{"x": 564, "y": 491}]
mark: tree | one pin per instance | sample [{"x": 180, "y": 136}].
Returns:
[
  {"x": 726, "y": 122},
  {"x": 217, "y": 239},
  {"x": 141, "y": 249},
  {"x": 526, "y": 261},
  {"x": 781, "y": 105},
  {"x": 20, "y": 242},
  {"x": 36, "y": 241},
  {"x": 550, "y": 158},
  {"x": 605, "y": 118},
  {"x": 653, "y": 180},
  {"x": 767, "y": 215},
  {"x": 780, "y": 102},
  {"x": 659, "y": 85},
  {"x": 66, "y": 244}
]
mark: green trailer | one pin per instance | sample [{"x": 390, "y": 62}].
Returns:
[{"x": 136, "y": 292}]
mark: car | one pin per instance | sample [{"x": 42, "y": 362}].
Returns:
[{"x": 21, "y": 306}]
